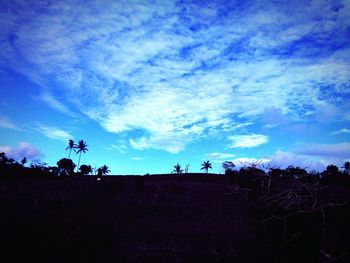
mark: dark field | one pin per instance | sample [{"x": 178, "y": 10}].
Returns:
[{"x": 168, "y": 218}]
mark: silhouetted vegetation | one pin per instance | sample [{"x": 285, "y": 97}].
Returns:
[
  {"x": 104, "y": 169},
  {"x": 228, "y": 166},
  {"x": 82, "y": 148},
  {"x": 177, "y": 169},
  {"x": 66, "y": 167},
  {"x": 85, "y": 169},
  {"x": 71, "y": 146},
  {"x": 265, "y": 214},
  {"x": 206, "y": 165}
]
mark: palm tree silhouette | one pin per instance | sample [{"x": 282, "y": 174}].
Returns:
[
  {"x": 205, "y": 166},
  {"x": 177, "y": 169},
  {"x": 71, "y": 146},
  {"x": 82, "y": 148},
  {"x": 104, "y": 169}
]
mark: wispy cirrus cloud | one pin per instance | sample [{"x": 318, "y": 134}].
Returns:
[
  {"x": 201, "y": 68},
  {"x": 248, "y": 141},
  {"x": 341, "y": 131},
  {"x": 53, "y": 132},
  {"x": 219, "y": 156},
  {"x": 137, "y": 158},
  {"x": 337, "y": 150},
  {"x": 5, "y": 123},
  {"x": 23, "y": 149},
  {"x": 120, "y": 148},
  {"x": 53, "y": 102}
]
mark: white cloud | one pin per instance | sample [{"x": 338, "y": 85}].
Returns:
[
  {"x": 283, "y": 159},
  {"x": 121, "y": 148},
  {"x": 4, "y": 123},
  {"x": 248, "y": 141},
  {"x": 341, "y": 131},
  {"x": 136, "y": 158},
  {"x": 23, "y": 149},
  {"x": 219, "y": 156},
  {"x": 309, "y": 162},
  {"x": 54, "y": 103},
  {"x": 53, "y": 132}
]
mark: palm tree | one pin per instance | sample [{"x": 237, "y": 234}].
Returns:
[
  {"x": 205, "y": 166},
  {"x": 177, "y": 169},
  {"x": 71, "y": 146},
  {"x": 104, "y": 169},
  {"x": 82, "y": 148}
]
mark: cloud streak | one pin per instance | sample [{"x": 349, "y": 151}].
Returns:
[
  {"x": 337, "y": 150},
  {"x": 219, "y": 156},
  {"x": 53, "y": 133},
  {"x": 5, "y": 123}
]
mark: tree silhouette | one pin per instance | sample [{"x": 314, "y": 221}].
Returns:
[
  {"x": 85, "y": 169},
  {"x": 70, "y": 147},
  {"x": 177, "y": 169},
  {"x": 24, "y": 161},
  {"x": 82, "y": 148},
  {"x": 228, "y": 166},
  {"x": 332, "y": 170},
  {"x": 346, "y": 167},
  {"x": 187, "y": 168},
  {"x": 206, "y": 165},
  {"x": 66, "y": 166},
  {"x": 104, "y": 169}
]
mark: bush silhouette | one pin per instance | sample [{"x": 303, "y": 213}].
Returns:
[{"x": 66, "y": 167}]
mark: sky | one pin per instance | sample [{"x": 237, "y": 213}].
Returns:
[{"x": 148, "y": 84}]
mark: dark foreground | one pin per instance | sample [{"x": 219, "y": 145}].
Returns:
[{"x": 166, "y": 219}]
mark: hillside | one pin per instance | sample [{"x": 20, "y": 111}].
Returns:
[{"x": 165, "y": 218}]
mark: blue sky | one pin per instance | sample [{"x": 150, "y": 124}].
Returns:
[{"x": 148, "y": 84}]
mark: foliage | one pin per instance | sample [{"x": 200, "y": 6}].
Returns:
[
  {"x": 71, "y": 146},
  {"x": 66, "y": 167},
  {"x": 346, "y": 168},
  {"x": 206, "y": 165},
  {"x": 85, "y": 169},
  {"x": 82, "y": 148},
  {"x": 332, "y": 175},
  {"x": 24, "y": 161},
  {"x": 187, "y": 168},
  {"x": 251, "y": 171},
  {"x": 228, "y": 166},
  {"x": 177, "y": 169},
  {"x": 295, "y": 172},
  {"x": 104, "y": 169}
]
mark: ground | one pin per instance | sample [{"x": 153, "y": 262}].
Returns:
[{"x": 165, "y": 218}]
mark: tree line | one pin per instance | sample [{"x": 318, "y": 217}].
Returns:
[{"x": 65, "y": 166}]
